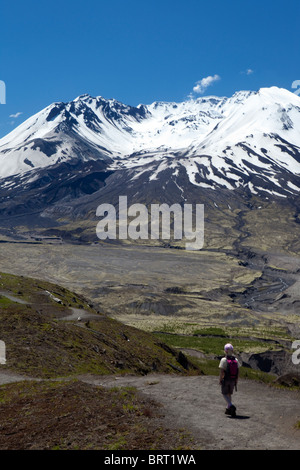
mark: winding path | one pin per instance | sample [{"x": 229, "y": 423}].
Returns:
[{"x": 266, "y": 417}]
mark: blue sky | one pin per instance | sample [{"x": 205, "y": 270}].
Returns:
[{"x": 142, "y": 51}]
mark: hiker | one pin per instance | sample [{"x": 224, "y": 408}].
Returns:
[{"x": 229, "y": 371}]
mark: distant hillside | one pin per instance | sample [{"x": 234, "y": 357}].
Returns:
[{"x": 50, "y": 332}]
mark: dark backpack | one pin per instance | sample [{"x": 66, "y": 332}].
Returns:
[{"x": 232, "y": 368}]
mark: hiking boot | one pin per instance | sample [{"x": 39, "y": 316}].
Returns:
[
  {"x": 232, "y": 411},
  {"x": 227, "y": 411}
]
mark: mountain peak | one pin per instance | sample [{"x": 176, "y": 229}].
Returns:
[{"x": 247, "y": 140}]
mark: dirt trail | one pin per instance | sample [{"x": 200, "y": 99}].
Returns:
[
  {"x": 13, "y": 298},
  {"x": 266, "y": 416}
]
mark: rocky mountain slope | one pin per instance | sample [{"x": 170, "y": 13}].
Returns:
[
  {"x": 230, "y": 154},
  {"x": 220, "y": 142}
]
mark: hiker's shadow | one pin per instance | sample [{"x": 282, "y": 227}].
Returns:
[{"x": 239, "y": 417}]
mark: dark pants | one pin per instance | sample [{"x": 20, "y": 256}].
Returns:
[{"x": 228, "y": 387}]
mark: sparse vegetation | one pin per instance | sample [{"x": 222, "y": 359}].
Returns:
[
  {"x": 41, "y": 343},
  {"x": 212, "y": 344},
  {"x": 210, "y": 339},
  {"x": 73, "y": 415}
]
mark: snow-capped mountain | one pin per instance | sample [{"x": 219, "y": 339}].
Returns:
[
  {"x": 76, "y": 154},
  {"x": 250, "y": 140}
]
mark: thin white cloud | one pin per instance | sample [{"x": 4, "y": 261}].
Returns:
[
  {"x": 247, "y": 72},
  {"x": 15, "y": 115},
  {"x": 201, "y": 86}
]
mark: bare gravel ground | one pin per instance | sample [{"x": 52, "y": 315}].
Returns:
[{"x": 266, "y": 417}]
